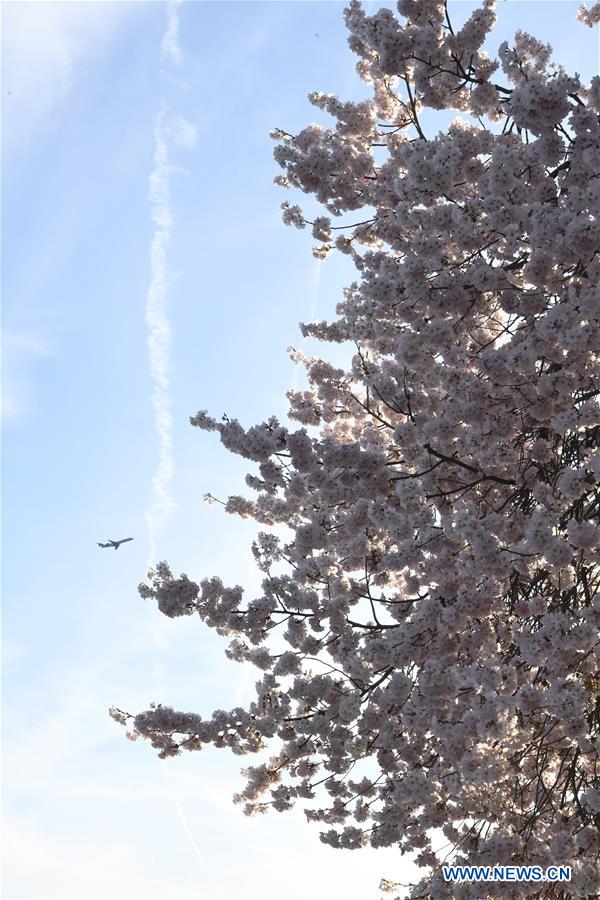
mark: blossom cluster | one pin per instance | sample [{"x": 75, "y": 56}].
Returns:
[{"x": 438, "y": 594}]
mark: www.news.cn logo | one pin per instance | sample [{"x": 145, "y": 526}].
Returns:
[{"x": 506, "y": 873}]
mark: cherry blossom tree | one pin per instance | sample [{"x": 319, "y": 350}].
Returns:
[{"x": 427, "y": 630}]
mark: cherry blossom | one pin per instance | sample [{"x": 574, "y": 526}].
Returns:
[{"x": 427, "y": 633}]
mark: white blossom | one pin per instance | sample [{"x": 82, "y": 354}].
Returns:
[{"x": 437, "y": 590}]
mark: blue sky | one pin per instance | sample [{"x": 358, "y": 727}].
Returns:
[{"x": 86, "y": 813}]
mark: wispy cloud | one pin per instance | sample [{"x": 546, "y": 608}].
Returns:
[
  {"x": 43, "y": 863},
  {"x": 175, "y": 131},
  {"x": 46, "y": 49},
  {"x": 19, "y": 354}
]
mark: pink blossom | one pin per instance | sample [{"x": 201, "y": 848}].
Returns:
[{"x": 433, "y": 611}]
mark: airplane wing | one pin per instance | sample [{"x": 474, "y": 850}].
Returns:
[{"x": 117, "y": 544}]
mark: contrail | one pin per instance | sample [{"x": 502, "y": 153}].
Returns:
[
  {"x": 159, "y": 331},
  {"x": 168, "y": 129},
  {"x": 314, "y": 290},
  {"x": 169, "y": 48},
  {"x": 315, "y": 273},
  {"x": 184, "y": 823},
  {"x": 174, "y": 129}
]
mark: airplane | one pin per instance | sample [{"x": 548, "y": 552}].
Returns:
[{"x": 115, "y": 544}]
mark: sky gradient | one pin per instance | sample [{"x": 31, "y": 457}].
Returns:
[{"x": 145, "y": 275}]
